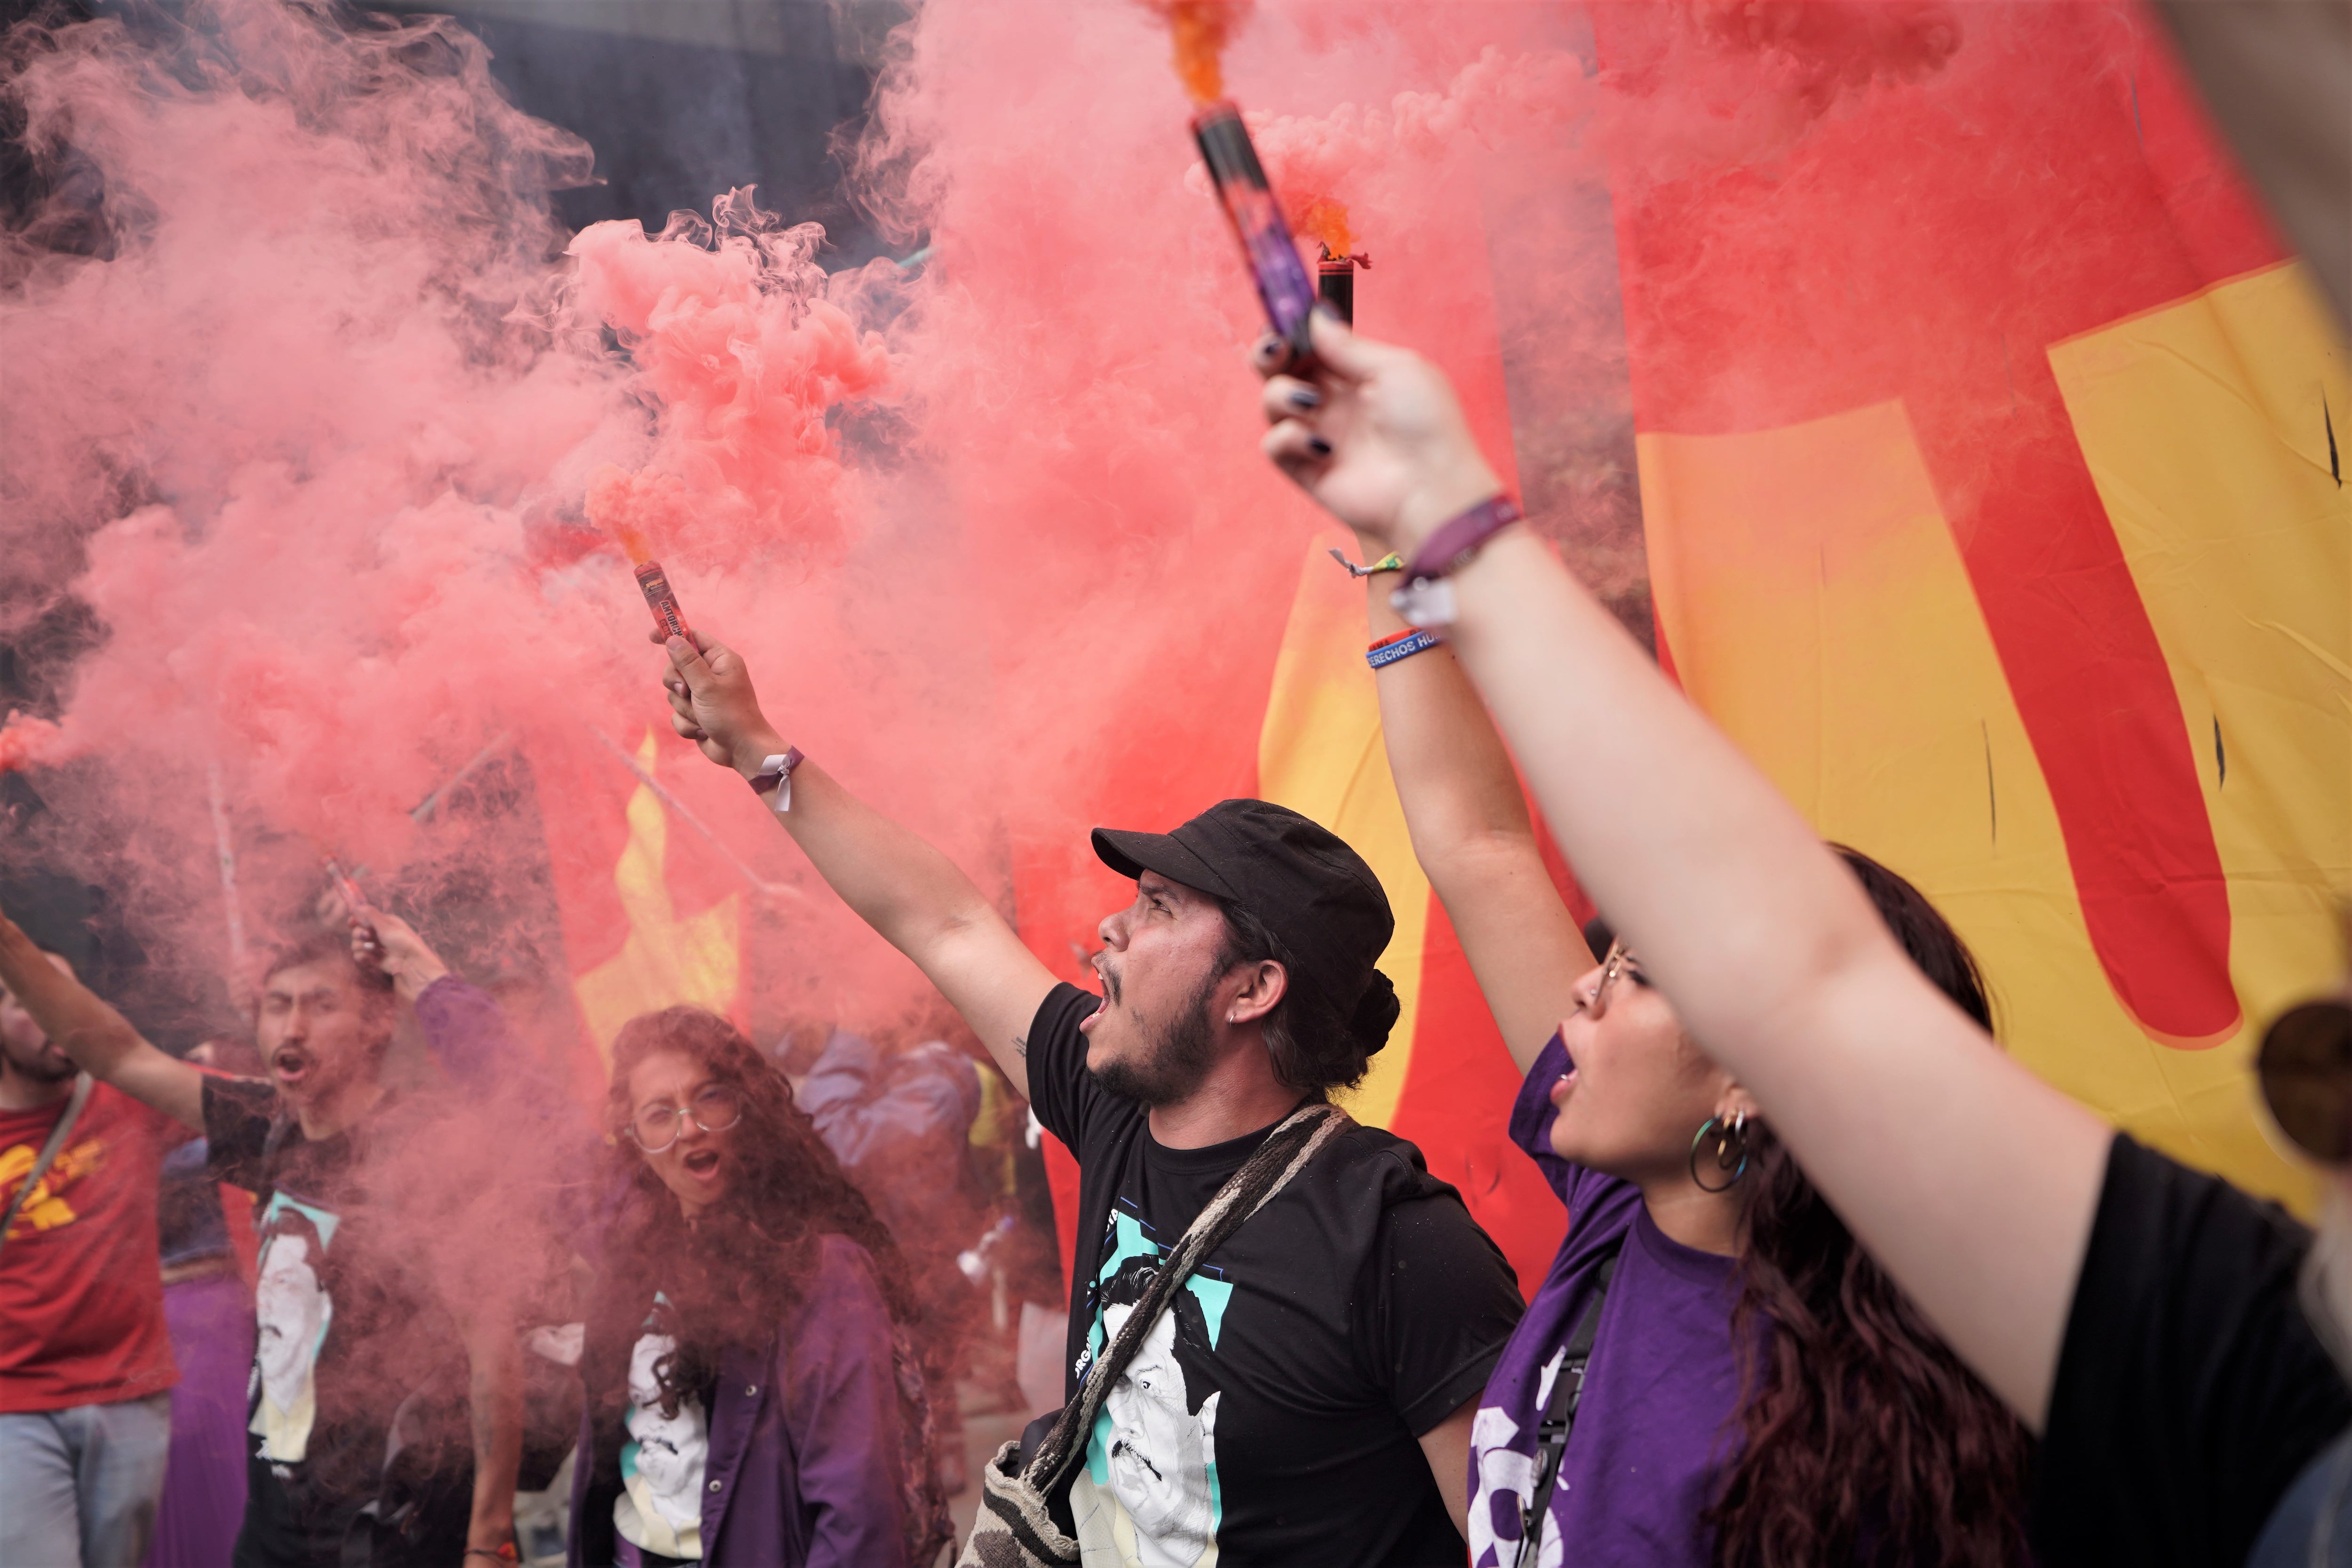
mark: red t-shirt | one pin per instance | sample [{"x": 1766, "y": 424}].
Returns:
[{"x": 81, "y": 1293}]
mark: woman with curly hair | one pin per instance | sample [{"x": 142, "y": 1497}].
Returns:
[
  {"x": 1757, "y": 1392},
  {"x": 745, "y": 1397}
]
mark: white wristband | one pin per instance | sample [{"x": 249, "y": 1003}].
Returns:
[
  {"x": 1426, "y": 603},
  {"x": 776, "y": 772}
]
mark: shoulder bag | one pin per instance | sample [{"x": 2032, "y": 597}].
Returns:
[
  {"x": 1015, "y": 1526},
  {"x": 1559, "y": 1416}
]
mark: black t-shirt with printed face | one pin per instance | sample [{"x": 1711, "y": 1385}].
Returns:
[
  {"x": 2190, "y": 1388},
  {"x": 1276, "y": 1410},
  {"x": 352, "y": 1336}
]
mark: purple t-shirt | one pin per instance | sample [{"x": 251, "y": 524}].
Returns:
[{"x": 1653, "y": 1427}]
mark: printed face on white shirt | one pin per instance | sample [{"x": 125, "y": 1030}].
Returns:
[
  {"x": 671, "y": 1449},
  {"x": 289, "y": 1309},
  {"x": 1159, "y": 1452}
]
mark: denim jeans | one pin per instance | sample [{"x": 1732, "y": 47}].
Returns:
[{"x": 78, "y": 1487}]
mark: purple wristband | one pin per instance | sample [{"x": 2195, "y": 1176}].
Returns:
[{"x": 1459, "y": 537}]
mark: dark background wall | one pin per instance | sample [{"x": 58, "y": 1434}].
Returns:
[{"x": 683, "y": 99}]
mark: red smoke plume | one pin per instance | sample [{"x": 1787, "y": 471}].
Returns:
[{"x": 312, "y": 403}]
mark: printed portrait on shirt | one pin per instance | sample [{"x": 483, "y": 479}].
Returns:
[
  {"x": 293, "y": 1311},
  {"x": 660, "y": 1506},
  {"x": 1149, "y": 1495}
]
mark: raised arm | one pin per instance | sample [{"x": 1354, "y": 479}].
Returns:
[
  {"x": 1971, "y": 1179},
  {"x": 1472, "y": 836},
  {"x": 915, "y": 897},
  {"x": 494, "y": 1398},
  {"x": 100, "y": 1041}
]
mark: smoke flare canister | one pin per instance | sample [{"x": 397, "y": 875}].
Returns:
[
  {"x": 1335, "y": 282},
  {"x": 1283, "y": 286},
  {"x": 356, "y": 909},
  {"x": 347, "y": 888},
  {"x": 667, "y": 618}
]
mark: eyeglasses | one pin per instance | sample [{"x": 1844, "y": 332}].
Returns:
[
  {"x": 2305, "y": 1067},
  {"x": 716, "y": 1108},
  {"x": 1616, "y": 965}
]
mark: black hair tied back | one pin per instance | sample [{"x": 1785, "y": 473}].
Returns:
[{"x": 1376, "y": 1013}]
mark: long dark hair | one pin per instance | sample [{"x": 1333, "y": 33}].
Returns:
[
  {"x": 1864, "y": 1438},
  {"x": 731, "y": 1278}
]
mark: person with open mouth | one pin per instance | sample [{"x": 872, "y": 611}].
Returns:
[
  {"x": 1718, "y": 1329},
  {"x": 1348, "y": 1324},
  {"x": 364, "y": 1310},
  {"x": 754, "y": 1399}
]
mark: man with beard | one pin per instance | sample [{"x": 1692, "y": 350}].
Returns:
[
  {"x": 85, "y": 1357},
  {"x": 386, "y": 1417},
  {"x": 1348, "y": 1327}
]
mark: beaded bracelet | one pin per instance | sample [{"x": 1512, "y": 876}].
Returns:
[{"x": 1403, "y": 645}]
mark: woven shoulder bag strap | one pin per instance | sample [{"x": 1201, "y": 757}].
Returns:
[
  {"x": 83, "y": 1084},
  {"x": 1283, "y": 1155}
]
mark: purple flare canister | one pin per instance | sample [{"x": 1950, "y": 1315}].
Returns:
[{"x": 1283, "y": 284}]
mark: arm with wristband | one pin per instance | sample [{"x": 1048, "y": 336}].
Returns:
[
  {"x": 1473, "y": 835},
  {"x": 917, "y": 898},
  {"x": 1971, "y": 1179}
]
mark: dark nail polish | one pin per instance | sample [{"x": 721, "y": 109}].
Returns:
[
  {"x": 1319, "y": 447},
  {"x": 1306, "y": 397}
]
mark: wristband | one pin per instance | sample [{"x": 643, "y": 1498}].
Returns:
[
  {"x": 1457, "y": 538},
  {"x": 776, "y": 773},
  {"x": 1427, "y": 598},
  {"x": 1404, "y": 645}
]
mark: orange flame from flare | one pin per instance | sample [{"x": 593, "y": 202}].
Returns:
[
  {"x": 1326, "y": 221},
  {"x": 1200, "y": 28}
]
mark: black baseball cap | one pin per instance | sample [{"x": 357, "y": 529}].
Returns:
[{"x": 1302, "y": 882}]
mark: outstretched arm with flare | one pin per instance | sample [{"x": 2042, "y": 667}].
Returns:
[
  {"x": 101, "y": 1040},
  {"x": 900, "y": 885},
  {"x": 1972, "y": 1181}
]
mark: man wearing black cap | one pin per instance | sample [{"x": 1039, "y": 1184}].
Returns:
[{"x": 1310, "y": 1402}]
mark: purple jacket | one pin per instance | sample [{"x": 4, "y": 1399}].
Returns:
[{"x": 805, "y": 1468}]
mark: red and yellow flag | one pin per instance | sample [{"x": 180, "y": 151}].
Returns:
[
  {"x": 1994, "y": 504},
  {"x": 1992, "y": 484}
]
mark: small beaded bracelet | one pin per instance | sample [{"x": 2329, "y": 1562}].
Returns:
[
  {"x": 1403, "y": 645},
  {"x": 1391, "y": 562}
]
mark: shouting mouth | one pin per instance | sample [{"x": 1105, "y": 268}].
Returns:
[
  {"x": 1109, "y": 978},
  {"x": 702, "y": 1165},
  {"x": 289, "y": 1065}
]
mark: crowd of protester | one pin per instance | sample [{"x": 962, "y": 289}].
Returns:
[{"x": 1838, "y": 1282}]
